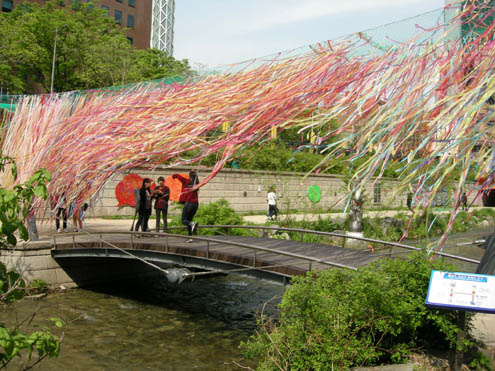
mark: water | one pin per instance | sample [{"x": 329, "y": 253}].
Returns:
[{"x": 153, "y": 326}]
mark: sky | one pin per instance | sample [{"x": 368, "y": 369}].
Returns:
[{"x": 218, "y": 32}]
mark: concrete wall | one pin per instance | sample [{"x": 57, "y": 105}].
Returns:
[
  {"x": 246, "y": 191},
  {"x": 37, "y": 263}
]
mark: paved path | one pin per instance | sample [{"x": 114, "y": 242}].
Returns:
[{"x": 261, "y": 219}]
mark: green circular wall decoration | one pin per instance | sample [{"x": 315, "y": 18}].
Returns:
[{"x": 314, "y": 193}]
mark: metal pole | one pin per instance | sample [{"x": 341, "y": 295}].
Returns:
[
  {"x": 53, "y": 60},
  {"x": 207, "y": 249}
]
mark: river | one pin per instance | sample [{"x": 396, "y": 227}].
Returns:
[{"x": 152, "y": 326}]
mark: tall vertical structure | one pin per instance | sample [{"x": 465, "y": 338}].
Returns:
[{"x": 162, "y": 25}]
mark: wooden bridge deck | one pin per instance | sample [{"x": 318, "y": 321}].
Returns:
[{"x": 303, "y": 256}]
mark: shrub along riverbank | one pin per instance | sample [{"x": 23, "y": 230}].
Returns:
[
  {"x": 386, "y": 229},
  {"x": 338, "y": 319},
  {"x": 392, "y": 228}
]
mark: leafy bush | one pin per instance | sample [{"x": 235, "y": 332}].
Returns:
[
  {"x": 14, "y": 208},
  {"x": 321, "y": 225},
  {"x": 37, "y": 286},
  {"x": 216, "y": 213},
  {"x": 11, "y": 285},
  {"x": 339, "y": 319}
]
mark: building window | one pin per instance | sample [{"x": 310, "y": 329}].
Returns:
[
  {"x": 131, "y": 40},
  {"x": 377, "y": 193},
  {"x": 119, "y": 1},
  {"x": 130, "y": 21},
  {"x": 7, "y": 5},
  {"x": 104, "y": 7},
  {"x": 118, "y": 16},
  {"x": 132, "y": 3}
]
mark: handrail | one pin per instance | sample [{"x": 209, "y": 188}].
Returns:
[
  {"x": 333, "y": 234},
  {"x": 298, "y": 230},
  {"x": 207, "y": 239}
]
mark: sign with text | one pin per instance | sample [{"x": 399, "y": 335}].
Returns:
[{"x": 462, "y": 291}]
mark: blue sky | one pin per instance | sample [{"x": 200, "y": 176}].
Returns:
[{"x": 217, "y": 32}]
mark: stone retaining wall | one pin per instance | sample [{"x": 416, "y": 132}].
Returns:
[
  {"x": 246, "y": 191},
  {"x": 37, "y": 263}
]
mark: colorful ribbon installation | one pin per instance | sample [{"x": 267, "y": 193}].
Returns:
[{"x": 424, "y": 100}]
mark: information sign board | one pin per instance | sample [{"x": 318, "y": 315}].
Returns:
[{"x": 461, "y": 291}]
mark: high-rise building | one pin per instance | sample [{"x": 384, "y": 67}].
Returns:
[
  {"x": 149, "y": 23},
  {"x": 162, "y": 25}
]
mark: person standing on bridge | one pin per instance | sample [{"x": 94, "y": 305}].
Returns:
[
  {"x": 144, "y": 208},
  {"x": 190, "y": 197},
  {"x": 161, "y": 195}
]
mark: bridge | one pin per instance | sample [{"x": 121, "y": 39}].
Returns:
[{"x": 272, "y": 259}]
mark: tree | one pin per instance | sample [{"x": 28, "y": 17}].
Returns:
[
  {"x": 14, "y": 208},
  {"x": 91, "y": 51}
]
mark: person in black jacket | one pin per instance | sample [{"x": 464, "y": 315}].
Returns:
[
  {"x": 144, "y": 208},
  {"x": 161, "y": 195}
]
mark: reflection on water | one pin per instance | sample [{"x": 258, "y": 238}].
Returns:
[{"x": 153, "y": 326}]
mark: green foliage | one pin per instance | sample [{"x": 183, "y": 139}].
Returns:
[
  {"x": 37, "y": 286},
  {"x": 339, "y": 319},
  {"x": 216, "y": 213},
  {"x": 480, "y": 362},
  {"x": 391, "y": 229},
  {"x": 13, "y": 342},
  {"x": 15, "y": 203},
  {"x": 92, "y": 50},
  {"x": 11, "y": 285},
  {"x": 321, "y": 225},
  {"x": 14, "y": 208}
]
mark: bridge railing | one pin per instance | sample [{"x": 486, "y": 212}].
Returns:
[
  {"x": 302, "y": 232},
  {"x": 76, "y": 238},
  {"x": 344, "y": 238}
]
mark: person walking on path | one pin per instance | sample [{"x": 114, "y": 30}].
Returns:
[
  {"x": 190, "y": 197},
  {"x": 271, "y": 198},
  {"x": 464, "y": 201},
  {"x": 144, "y": 208},
  {"x": 78, "y": 213},
  {"x": 61, "y": 212},
  {"x": 161, "y": 195}
]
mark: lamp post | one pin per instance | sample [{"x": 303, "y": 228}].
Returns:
[{"x": 53, "y": 60}]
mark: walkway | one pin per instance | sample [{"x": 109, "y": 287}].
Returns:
[{"x": 261, "y": 219}]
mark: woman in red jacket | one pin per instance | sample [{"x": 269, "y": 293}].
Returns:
[{"x": 190, "y": 197}]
